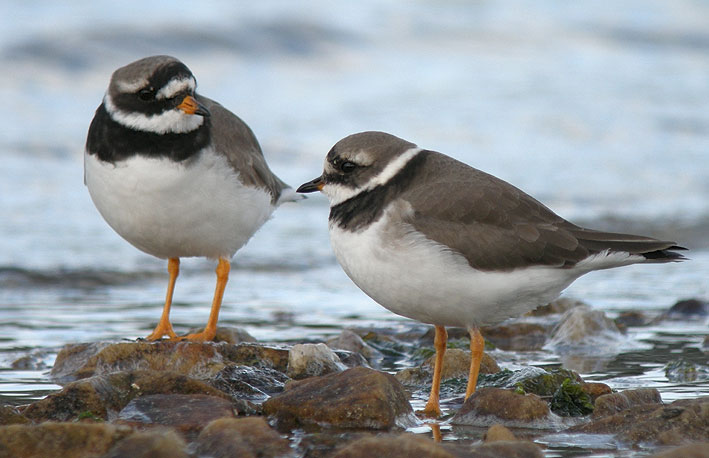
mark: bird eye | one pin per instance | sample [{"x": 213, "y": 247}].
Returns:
[
  {"x": 146, "y": 94},
  {"x": 348, "y": 166}
]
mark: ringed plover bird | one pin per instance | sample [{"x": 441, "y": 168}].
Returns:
[
  {"x": 176, "y": 174},
  {"x": 433, "y": 239}
]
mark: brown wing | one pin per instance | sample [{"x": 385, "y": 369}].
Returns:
[
  {"x": 238, "y": 142},
  {"x": 496, "y": 226}
]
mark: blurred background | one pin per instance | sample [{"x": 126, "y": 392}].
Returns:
[{"x": 598, "y": 109}]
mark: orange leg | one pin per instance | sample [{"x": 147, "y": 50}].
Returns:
[
  {"x": 477, "y": 344},
  {"x": 433, "y": 408},
  {"x": 164, "y": 328},
  {"x": 211, "y": 329}
]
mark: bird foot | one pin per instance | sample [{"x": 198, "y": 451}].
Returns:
[
  {"x": 430, "y": 411},
  {"x": 160, "y": 331},
  {"x": 205, "y": 336}
]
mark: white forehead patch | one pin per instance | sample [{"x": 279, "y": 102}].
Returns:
[
  {"x": 170, "y": 121},
  {"x": 175, "y": 86}
]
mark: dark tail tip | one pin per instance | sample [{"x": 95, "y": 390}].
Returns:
[{"x": 666, "y": 255}]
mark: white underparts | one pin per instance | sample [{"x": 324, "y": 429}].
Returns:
[
  {"x": 170, "y": 209},
  {"x": 170, "y": 121}
]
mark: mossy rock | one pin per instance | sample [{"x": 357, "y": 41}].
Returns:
[{"x": 570, "y": 400}]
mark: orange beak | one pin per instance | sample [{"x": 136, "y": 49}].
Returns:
[{"x": 191, "y": 106}]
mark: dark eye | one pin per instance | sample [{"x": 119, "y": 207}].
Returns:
[
  {"x": 348, "y": 166},
  {"x": 146, "y": 94}
]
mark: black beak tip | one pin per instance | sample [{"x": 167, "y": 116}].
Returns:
[{"x": 310, "y": 186}]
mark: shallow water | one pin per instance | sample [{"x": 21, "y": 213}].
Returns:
[{"x": 598, "y": 109}]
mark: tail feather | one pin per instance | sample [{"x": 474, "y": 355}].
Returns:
[{"x": 656, "y": 251}]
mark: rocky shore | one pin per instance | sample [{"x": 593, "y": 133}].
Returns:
[{"x": 239, "y": 397}]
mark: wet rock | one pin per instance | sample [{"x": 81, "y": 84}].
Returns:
[
  {"x": 31, "y": 362},
  {"x": 682, "y": 370},
  {"x": 356, "y": 398},
  {"x": 700, "y": 450},
  {"x": 632, "y": 319},
  {"x": 245, "y": 437},
  {"x": 76, "y": 440},
  {"x": 518, "y": 335},
  {"x": 456, "y": 364},
  {"x": 595, "y": 390},
  {"x": 10, "y": 416},
  {"x": 350, "y": 341},
  {"x": 229, "y": 334},
  {"x": 414, "y": 376},
  {"x": 198, "y": 360},
  {"x": 583, "y": 329},
  {"x": 611, "y": 404},
  {"x": 257, "y": 355},
  {"x": 686, "y": 420},
  {"x": 541, "y": 382},
  {"x": 508, "y": 449},
  {"x": 688, "y": 309},
  {"x": 705, "y": 344},
  {"x": 185, "y": 412},
  {"x": 157, "y": 443},
  {"x": 249, "y": 383},
  {"x": 488, "y": 406},
  {"x": 351, "y": 359},
  {"x": 568, "y": 394},
  {"x": 104, "y": 396},
  {"x": 497, "y": 432},
  {"x": 557, "y": 307},
  {"x": 311, "y": 360},
  {"x": 401, "y": 446}
]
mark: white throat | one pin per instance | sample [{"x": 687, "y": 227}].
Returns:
[
  {"x": 173, "y": 121},
  {"x": 338, "y": 193}
]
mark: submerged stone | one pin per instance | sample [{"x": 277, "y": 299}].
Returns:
[
  {"x": 76, "y": 440},
  {"x": 557, "y": 307},
  {"x": 390, "y": 446},
  {"x": 698, "y": 450},
  {"x": 507, "y": 449},
  {"x": 185, "y": 412},
  {"x": 156, "y": 443},
  {"x": 682, "y": 370},
  {"x": 584, "y": 330},
  {"x": 498, "y": 432},
  {"x": 247, "y": 437},
  {"x": 685, "y": 420},
  {"x": 519, "y": 335},
  {"x": 688, "y": 309},
  {"x": 356, "y": 398}
]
